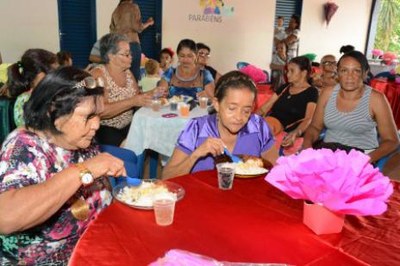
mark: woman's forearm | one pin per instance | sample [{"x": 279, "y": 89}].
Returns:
[
  {"x": 32, "y": 205},
  {"x": 310, "y": 136},
  {"x": 115, "y": 108},
  {"x": 181, "y": 168},
  {"x": 385, "y": 148}
]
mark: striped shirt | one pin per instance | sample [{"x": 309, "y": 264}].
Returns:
[{"x": 356, "y": 128}]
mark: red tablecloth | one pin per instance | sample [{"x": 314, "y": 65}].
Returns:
[
  {"x": 392, "y": 91},
  {"x": 253, "y": 222}
]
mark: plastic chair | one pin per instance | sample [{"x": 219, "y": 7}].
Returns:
[
  {"x": 130, "y": 161},
  {"x": 6, "y": 117},
  {"x": 240, "y": 65}
]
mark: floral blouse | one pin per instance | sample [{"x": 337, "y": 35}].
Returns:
[
  {"x": 25, "y": 160},
  {"x": 19, "y": 108}
]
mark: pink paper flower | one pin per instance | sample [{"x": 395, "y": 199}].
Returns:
[
  {"x": 343, "y": 183},
  {"x": 376, "y": 53},
  {"x": 389, "y": 58}
]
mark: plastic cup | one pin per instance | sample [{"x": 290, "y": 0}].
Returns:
[
  {"x": 203, "y": 102},
  {"x": 164, "y": 211},
  {"x": 173, "y": 106},
  {"x": 156, "y": 105},
  {"x": 226, "y": 173},
  {"x": 184, "y": 109}
]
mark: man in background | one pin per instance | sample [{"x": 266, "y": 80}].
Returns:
[{"x": 126, "y": 19}]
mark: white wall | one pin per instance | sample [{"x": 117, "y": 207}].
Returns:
[
  {"x": 104, "y": 9},
  {"x": 244, "y": 36},
  {"x": 349, "y": 25},
  {"x": 27, "y": 24}
]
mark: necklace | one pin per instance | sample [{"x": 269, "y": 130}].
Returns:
[{"x": 186, "y": 79}]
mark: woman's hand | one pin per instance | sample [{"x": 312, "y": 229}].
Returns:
[
  {"x": 261, "y": 112},
  {"x": 213, "y": 146},
  {"x": 201, "y": 94},
  {"x": 105, "y": 164},
  {"x": 143, "y": 99},
  {"x": 289, "y": 139}
]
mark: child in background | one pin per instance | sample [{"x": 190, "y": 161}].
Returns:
[
  {"x": 64, "y": 58},
  {"x": 279, "y": 31},
  {"x": 150, "y": 80},
  {"x": 277, "y": 66}
]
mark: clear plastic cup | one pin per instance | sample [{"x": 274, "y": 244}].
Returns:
[
  {"x": 173, "y": 105},
  {"x": 164, "y": 211},
  {"x": 203, "y": 102},
  {"x": 184, "y": 109},
  {"x": 226, "y": 173},
  {"x": 156, "y": 105}
]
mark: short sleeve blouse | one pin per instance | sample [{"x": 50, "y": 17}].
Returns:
[{"x": 253, "y": 139}]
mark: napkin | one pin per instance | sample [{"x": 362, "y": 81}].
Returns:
[{"x": 342, "y": 182}]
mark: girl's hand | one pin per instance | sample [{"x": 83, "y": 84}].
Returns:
[{"x": 213, "y": 146}]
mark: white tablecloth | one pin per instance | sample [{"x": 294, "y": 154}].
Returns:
[
  {"x": 377, "y": 68},
  {"x": 149, "y": 130}
]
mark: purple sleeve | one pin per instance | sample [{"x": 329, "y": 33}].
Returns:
[
  {"x": 187, "y": 140},
  {"x": 266, "y": 137}
]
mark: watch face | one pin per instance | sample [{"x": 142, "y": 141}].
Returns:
[{"x": 87, "y": 178}]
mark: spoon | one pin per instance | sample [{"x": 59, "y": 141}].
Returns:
[{"x": 234, "y": 158}]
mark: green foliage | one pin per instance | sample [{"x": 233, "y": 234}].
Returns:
[{"x": 388, "y": 30}]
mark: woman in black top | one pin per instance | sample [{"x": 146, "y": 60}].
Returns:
[{"x": 293, "y": 104}]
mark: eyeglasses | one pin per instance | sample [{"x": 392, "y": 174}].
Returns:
[
  {"x": 125, "y": 54},
  {"x": 327, "y": 63},
  {"x": 204, "y": 54},
  {"x": 90, "y": 83}
]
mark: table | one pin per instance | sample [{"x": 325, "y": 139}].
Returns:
[
  {"x": 391, "y": 90},
  {"x": 149, "y": 130},
  {"x": 377, "y": 67},
  {"x": 253, "y": 222}
]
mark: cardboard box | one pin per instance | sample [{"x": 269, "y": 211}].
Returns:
[{"x": 321, "y": 220}]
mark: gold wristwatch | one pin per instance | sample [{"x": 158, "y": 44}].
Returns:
[{"x": 86, "y": 176}]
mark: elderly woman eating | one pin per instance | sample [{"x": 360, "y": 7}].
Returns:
[
  {"x": 121, "y": 93},
  {"x": 233, "y": 127},
  {"x": 188, "y": 78},
  {"x": 52, "y": 176}
]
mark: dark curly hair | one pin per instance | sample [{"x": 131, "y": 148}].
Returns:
[
  {"x": 57, "y": 95},
  {"x": 23, "y": 73}
]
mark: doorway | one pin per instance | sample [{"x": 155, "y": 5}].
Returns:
[{"x": 77, "y": 28}]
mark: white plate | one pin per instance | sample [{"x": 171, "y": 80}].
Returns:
[
  {"x": 142, "y": 195},
  {"x": 181, "y": 98}
]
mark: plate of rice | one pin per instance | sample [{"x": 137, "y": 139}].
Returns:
[{"x": 141, "y": 196}]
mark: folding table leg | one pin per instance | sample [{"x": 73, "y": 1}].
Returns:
[
  {"x": 153, "y": 164},
  {"x": 140, "y": 163}
]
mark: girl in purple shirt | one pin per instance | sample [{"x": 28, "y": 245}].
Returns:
[{"x": 233, "y": 126}]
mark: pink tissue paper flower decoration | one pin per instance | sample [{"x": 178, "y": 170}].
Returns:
[
  {"x": 177, "y": 257},
  {"x": 376, "y": 52},
  {"x": 343, "y": 183},
  {"x": 389, "y": 58}
]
